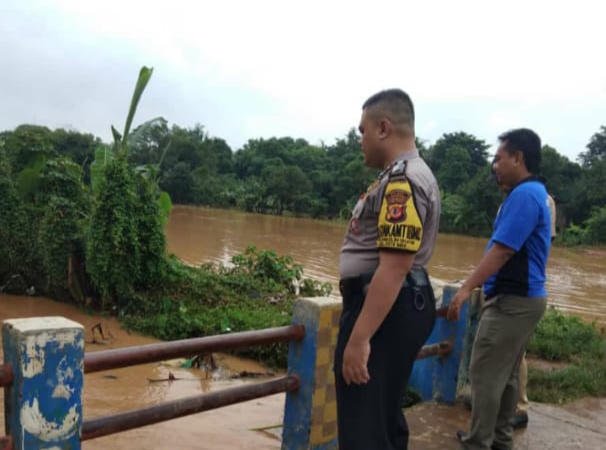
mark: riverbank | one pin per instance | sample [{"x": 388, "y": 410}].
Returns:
[
  {"x": 573, "y": 359},
  {"x": 255, "y": 292}
]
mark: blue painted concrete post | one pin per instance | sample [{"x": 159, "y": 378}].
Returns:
[
  {"x": 43, "y": 407},
  {"x": 437, "y": 378},
  {"x": 310, "y": 414}
]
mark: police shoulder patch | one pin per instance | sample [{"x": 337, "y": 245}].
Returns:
[{"x": 399, "y": 225}]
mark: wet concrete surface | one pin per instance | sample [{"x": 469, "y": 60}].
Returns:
[{"x": 578, "y": 425}]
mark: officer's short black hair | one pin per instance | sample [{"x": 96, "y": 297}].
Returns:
[
  {"x": 394, "y": 104},
  {"x": 528, "y": 143}
]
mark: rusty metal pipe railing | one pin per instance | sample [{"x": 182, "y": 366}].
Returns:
[
  {"x": 441, "y": 312},
  {"x": 104, "y": 426},
  {"x": 6, "y": 376},
  {"x": 439, "y": 349},
  {"x": 132, "y": 356}
]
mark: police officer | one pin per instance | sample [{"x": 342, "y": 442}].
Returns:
[{"x": 388, "y": 302}]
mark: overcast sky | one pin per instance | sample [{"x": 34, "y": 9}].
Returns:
[{"x": 247, "y": 68}]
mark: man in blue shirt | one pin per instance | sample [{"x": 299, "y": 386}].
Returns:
[{"x": 512, "y": 272}]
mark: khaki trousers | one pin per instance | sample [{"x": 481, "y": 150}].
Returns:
[{"x": 506, "y": 324}]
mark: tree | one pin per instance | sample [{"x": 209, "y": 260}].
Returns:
[
  {"x": 62, "y": 228},
  {"x": 178, "y": 181},
  {"x": 561, "y": 175},
  {"x": 596, "y": 226},
  {"x": 113, "y": 252},
  {"x": 28, "y": 143},
  {"x": 596, "y": 149},
  {"x": 482, "y": 199},
  {"x": 222, "y": 154},
  {"x": 289, "y": 187},
  {"x": 125, "y": 245},
  {"x": 452, "y": 216},
  {"x": 476, "y": 148},
  {"x": 9, "y": 206},
  {"x": 589, "y": 191},
  {"x": 148, "y": 142},
  {"x": 455, "y": 169},
  {"x": 79, "y": 147},
  {"x": 422, "y": 146}
]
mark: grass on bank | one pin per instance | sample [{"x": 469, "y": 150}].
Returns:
[{"x": 567, "y": 339}]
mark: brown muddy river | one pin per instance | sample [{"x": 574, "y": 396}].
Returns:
[
  {"x": 577, "y": 284},
  {"x": 576, "y": 280}
]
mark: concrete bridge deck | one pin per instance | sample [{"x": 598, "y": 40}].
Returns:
[{"x": 578, "y": 425}]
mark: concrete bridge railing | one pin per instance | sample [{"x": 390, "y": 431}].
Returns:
[{"x": 45, "y": 363}]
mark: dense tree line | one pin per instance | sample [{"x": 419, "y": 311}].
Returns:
[
  {"x": 292, "y": 176},
  {"x": 286, "y": 175}
]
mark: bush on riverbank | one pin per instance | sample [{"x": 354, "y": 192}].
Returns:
[
  {"x": 570, "y": 340},
  {"x": 593, "y": 230},
  {"x": 257, "y": 292}
]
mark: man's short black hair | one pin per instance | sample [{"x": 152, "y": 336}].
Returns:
[
  {"x": 394, "y": 104},
  {"x": 528, "y": 143}
]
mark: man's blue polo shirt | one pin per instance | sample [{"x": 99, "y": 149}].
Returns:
[{"x": 524, "y": 225}]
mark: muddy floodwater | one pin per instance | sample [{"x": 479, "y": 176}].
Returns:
[
  {"x": 576, "y": 284},
  {"x": 576, "y": 279}
]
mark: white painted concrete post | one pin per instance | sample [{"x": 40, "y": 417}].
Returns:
[{"x": 43, "y": 407}]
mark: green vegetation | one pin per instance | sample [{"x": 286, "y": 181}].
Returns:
[
  {"x": 257, "y": 292},
  {"x": 81, "y": 222},
  {"x": 581, "y": 346}
]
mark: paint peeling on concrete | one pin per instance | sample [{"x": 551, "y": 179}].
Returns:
[
  {"x": 34, "y": 349},
  {"x": 48, "y": 431},
  {"x": 64, "y": 375},
  {"x": 33, "y": 364}
]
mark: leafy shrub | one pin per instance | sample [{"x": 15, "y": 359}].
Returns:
[
  {"x": 278, "y": 271},
  {"x": 596, "y": 227}
]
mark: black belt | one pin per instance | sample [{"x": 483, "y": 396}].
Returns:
[{"x": 357, "y": 284}]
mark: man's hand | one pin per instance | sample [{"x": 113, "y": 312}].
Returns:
[
  {"x": 355, "y": 362},
  {"x": 454, "y": 309},
  {"x": 495, "y": 258}
]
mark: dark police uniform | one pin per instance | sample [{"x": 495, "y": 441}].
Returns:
[{"x": 399, "y": 212}]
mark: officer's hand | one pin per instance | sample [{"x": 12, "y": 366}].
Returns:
[
  {"x": 355, "y": 362},
  {"x": 454, "y": 309}
]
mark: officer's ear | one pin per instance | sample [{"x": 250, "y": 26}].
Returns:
[{"x": 385, "y": 128}]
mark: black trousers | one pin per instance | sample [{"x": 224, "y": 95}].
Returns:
[{"x": 370, "y": 416}]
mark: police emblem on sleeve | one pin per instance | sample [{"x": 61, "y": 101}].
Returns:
[
  {"x": 396, "y": 205},
  {"x": 399, "y": 225}
]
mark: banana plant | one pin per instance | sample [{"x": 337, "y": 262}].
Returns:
[
  {"x": 104, "y": 153},
  {"x": 121, "y": 140}
]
